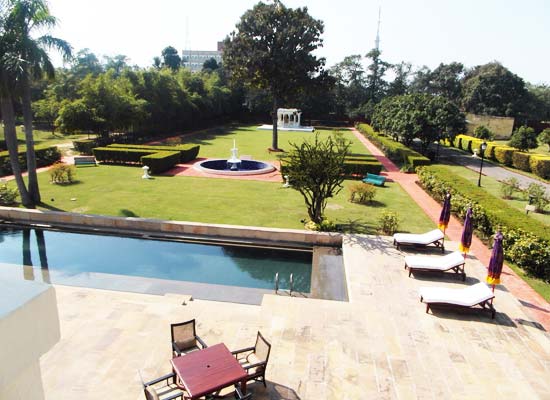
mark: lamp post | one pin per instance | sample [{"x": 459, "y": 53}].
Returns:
[
  {"x": 437, "y": 149},
  {"x": 482, "y": 151}
]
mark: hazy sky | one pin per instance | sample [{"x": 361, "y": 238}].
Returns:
[{"x": 423, "y": 32}]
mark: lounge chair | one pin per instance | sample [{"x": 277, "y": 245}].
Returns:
[
  {"x": 169, "y": 391},
  {"x": 452, "y": 261},
  {"x": 185, "y": 338},
  {"x": 420, "y": 240},
  {"x": 469, "y": 297},
  {"x": 254, "y": 359}
]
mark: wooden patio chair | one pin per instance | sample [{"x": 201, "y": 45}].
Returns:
[
  {"x": 435, "y": 237},
  {"x": 254, "y": 359},
  {"x": 185, "y": 338},
  {"x": 167, "y": 392},
  {"x": 461, "y": 299},
  {"x": 453, "y": 261}
]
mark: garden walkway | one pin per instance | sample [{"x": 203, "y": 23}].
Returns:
[{"x": 531, "y": 301}]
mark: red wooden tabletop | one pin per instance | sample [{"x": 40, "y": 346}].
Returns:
[{"x": 208, "y": 370}]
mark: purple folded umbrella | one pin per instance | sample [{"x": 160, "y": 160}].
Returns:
[
  {"x": 467, "y": 231},
  {"x": 496, "y": 261}
]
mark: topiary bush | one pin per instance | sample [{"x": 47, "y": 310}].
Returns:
[
  {"x": 62, "y": 173},
  {"x": 161, "y": 161},
  {"x": 521, "y": 161},
  {"x": 7, "y": 195},
  {"x": 388, "y": 223},
  {"x": 540, "y": 165},
  {"x": 503, "y": 154}
]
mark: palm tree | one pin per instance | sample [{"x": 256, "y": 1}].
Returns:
[
  {"x": 8, "y": 59},
  {"x": 25, "y": 17}
]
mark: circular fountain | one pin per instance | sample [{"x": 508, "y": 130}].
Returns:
[{"x": 234, "y": 165}]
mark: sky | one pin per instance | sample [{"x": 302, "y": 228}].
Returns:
[{"x": 422, "y": 32}]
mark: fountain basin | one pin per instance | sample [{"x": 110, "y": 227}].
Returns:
[{"x": 244, "y": 167}]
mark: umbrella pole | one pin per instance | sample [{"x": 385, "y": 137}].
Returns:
[{"x": 493, "y": 293}]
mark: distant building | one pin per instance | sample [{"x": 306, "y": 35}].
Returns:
[{"x": 194, "y": 59}]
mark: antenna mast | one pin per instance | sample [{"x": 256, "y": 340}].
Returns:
[{"x": 377, "y": 41}]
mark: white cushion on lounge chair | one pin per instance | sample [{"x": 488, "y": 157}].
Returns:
[
  {"x": 421, "y": 239},
  {"x": 437, "y": 263},
  {"x": 467, "y": 297}
]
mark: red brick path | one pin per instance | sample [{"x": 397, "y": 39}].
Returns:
[{"x": 533, "y": 304}]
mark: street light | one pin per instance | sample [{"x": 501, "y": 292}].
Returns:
[
  {"x": 482, "y": 151},
  {"x": 437, "y": 149}
]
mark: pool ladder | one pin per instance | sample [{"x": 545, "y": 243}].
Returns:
[{"x": 290, "y": 281}]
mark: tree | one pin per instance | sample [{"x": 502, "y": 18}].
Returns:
[
  {"x": 210, "y": 65},
  {"x": 399, "y": 85},
  {"x": 539, "y": 102},
  {"x": 350, "y": 85},
  {"x": 157, "y": 63},
  {"x": 271, "y": 50},
  {"x": 26, "y": 18},
  {"x": 46, "y": 110},
  {"x": 116, "y": 63},
  {"x": 524, "y": 138},
  {"x": 445, "y": 80},
  {"x": 491, "y": 89},
  {"x": 86, "y": 63},
  {"x": 376, "y": 85},
  {"x": 316, "y": 170},
  {"x": 482, "y": 132},
  {"x": 544, "y": 137},
  {"x": 171, "y": 58}
]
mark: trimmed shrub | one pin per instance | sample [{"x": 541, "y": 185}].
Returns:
[
  {"x": 490, "y": 151},
  {"x": 362, "y": 193},
  {"x": 7, "y": 195},
  {"x": 45, "y": 155},
  {"x": 388, "y": 223},
  {"x": 466, "y": 144},
  {"x": 521, "y": 161},
  {"x": 120, "y": 156},
  {"x": 503, "y": 154},
  {"x": 62, "y": 173},
  {"x": 395, "y": 151},
  {"x": 491, "y": 213},
  {"x": 359, "y": 168},
  {"x": 85, "y": 146},
  {"x": 509, "y": 187},
  {"x": 540, "y": 165},
  {"x": 161, "y": 161},
  {"x": 188, "y": 152}
]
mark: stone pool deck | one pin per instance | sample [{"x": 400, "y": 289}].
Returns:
[{"x": 380, "y": 345}]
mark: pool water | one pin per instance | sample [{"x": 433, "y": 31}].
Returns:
[{"x": 77, "y": 253}]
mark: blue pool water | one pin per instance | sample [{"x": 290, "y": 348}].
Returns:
[{"x": 77, "y": 253}]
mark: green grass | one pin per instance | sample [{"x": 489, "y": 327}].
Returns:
[
  {"x": 492, "y": 186},
  {"x": 538, "y": 285},
  {"x": 542, "y": 149},
  {"x": 120, "y": 191},
  {"x": 44, "y": 137},
  {"x": 217, "y": 142}
]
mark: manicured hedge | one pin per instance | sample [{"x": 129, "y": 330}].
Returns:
[
  {"x": 188, "y": 152},
  {"x": 359, "y": 168},
  {"x": 85, "y": 146},
  {"x": 395, "y": 151},
  {"x": 521, "y": 161},
  {"x": 120, "y": 156},
  {"x": 45, "y": 155},
  {"x": 161, "y": 161},
  {"x": 503, "y": 154},
  {"x": 526, "y": 241},
  {"x": 540, "y": 165}
]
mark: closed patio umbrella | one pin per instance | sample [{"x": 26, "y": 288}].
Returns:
[
  {"x": 496, "y": 261},
  {"x": 467, "y": 230},
  {"x": 445, "y": 215}
]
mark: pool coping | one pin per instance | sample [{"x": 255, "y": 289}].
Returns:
[{"x": 134, "y": 225}]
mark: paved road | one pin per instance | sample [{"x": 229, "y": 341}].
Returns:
[{"x": 493, "y": 170}]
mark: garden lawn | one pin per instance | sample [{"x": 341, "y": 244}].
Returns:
[
  {"x": 541, "y": 149},
  {"x": 217, "y": 142},
  {"x": 493, "y": 186},
  {"x": 120, "y": 191},
  {"x": 44, "y": 137}
]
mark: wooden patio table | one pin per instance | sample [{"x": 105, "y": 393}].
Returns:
[{"x": 208, "y": 370}]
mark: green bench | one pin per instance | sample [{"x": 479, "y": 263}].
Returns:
[
  {"x": 374, "y": 179},
  {"x": 84, "y": 160}
]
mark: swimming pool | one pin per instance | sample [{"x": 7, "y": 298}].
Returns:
[{"x": 71, "y": 254}]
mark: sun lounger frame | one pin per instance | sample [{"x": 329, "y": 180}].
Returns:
[
  {"x": 485, "y": 305},
  {"x": 459, "y": 269},
  {"x": 438, "y": 243}
]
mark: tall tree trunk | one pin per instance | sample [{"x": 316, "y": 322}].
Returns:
[
  {"x": 6, "y": 105},
  {"x": 34, "y": 191},
  {"x": 274, "y": 140}
]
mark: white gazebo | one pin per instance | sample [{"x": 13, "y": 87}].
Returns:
[{"x": 288, "y": 117}]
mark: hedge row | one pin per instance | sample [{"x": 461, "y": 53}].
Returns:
[
  {"x": 161, "y": 161},
  {"x": 526, "y": 241},
  {"x": 85, "y": 146},
  {"x": 395, "y": 151},
  {"x": 188, "y": 152},
  {"x": 358, "y": 168},
  {"x": 539, "y": 164},
  {"x": 45, "y": 155},
  {"x": 120, "y": 156}
]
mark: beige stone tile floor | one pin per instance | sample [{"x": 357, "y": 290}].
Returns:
[{"x": 380, "y": 345}]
